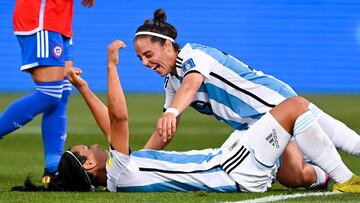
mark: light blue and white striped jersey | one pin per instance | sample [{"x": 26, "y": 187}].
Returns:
[
  {"x": 232, "y": 91},
  {"x": 167, "y": 171}
]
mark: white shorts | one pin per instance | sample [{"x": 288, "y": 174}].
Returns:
[{"x": 253, "y": 159}]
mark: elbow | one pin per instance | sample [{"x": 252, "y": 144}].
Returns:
[
  {"x": 118, "y": 121},
  {"x": 118, "y": 118},
  {"x": 117, "y": 115}
]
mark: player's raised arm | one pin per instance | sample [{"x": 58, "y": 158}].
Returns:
[
  {"x": 117, "y": 108},
  {"x": 97, "y": 107}
]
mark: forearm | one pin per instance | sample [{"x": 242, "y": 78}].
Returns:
[
  {"x": 155, "y": 142},
  {"x": 116, "y": 98},
  {"x": 183, "y": 98},
  {"x": 117, "y": 113},
  {"x": 187, "y": 91},
  {"x": 167, "y": 123},
  {"x": 117, "y": 108},
  {"x": 97, "y": 108}
]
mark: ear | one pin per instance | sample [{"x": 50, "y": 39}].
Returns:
[
  {"x": 89, "y": 164},
  {"x": 168, "y": 45}
]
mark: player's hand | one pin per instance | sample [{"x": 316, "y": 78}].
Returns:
[
  {"x": 166, "y": 126},
  {"x": 73, "y": 75},
  {"x": 113, "y": 52},
  {"x": 88, "y": 3}
]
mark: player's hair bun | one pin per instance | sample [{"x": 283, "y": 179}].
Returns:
[
  {"x": 160, "y": 15},
  {"x": 158, "y": 25}
]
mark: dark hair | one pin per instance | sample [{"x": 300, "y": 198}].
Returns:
[
  {"x": 160, "y": 26},
  {"x": 71, "y": 176}
]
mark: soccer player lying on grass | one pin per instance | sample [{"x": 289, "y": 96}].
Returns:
[{"x": 250, "y": 164}]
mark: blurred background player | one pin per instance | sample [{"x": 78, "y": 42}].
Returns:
[{"x": 44, "y": 30}]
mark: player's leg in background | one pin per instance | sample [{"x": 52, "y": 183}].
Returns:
[
  {"x": 54, "y": 128},
  {"x": 48, "y": 90},
  {"x": 54, "y": 121},
  {"x": 24, "y": 109}
]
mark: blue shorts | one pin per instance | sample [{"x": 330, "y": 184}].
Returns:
[{"x": 44, "y": 48}]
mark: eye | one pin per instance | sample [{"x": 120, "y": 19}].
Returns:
[{"x": 148, "y": 55}]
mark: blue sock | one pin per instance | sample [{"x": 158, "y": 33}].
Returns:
[
  {"x": 26, "y": 108},
  {"x": 54, "y": 127}
]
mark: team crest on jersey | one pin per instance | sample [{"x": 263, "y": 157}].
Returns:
[
  {"x": 110, "y": 160},
  {"x": 57, "y": 51},
  {"x": 187, "y": 65}
]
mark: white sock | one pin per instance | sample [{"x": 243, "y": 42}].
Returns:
[
  {"x": 320, "y": 177},
  {"x": 342, "y": 136},
  {"x": 317, "y": 146}
]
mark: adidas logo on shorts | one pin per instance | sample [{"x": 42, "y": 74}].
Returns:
[{"x": 272, "y": 139}]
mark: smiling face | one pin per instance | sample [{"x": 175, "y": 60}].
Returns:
[{"x": 160, "y": 58}]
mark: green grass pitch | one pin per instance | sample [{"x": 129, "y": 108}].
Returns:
[{"x": 21, "y": 151}]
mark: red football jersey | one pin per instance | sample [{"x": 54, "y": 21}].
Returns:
[{"x": 31, "y": 16}]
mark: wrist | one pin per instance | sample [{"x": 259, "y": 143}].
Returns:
[
  {"x": 173, "y": 111},
  {"x": 81, "y": 86},
  {"x": 111, "y": 65}
]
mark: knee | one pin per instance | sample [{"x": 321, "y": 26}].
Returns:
[
  {"x": 296, "y": 105},
  {"x": 298, "y": 102}
]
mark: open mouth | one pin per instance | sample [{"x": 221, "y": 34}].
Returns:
[{"x": 154, "y": 67}]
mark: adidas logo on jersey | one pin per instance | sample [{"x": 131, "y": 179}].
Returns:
[
  {"x": 272, "y": 139},
  {"x": 233, "y": 145}
]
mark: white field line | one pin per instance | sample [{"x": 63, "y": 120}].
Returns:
[{"x": 273, "y": 198}]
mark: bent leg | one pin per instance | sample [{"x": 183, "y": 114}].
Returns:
[
  {"x": 252, "y": 160},
  {"x": 317, "y": 146},
  {"x": 311, "y": 138},
  {"x": 54, "y": 119},
  {"x": 26, "y": 108},
  {"x": 294, "y": 172},
  {"x": 342, "y": 136}
]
